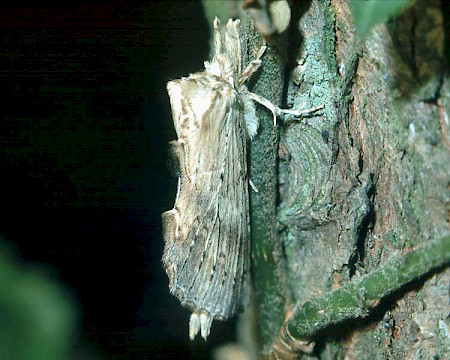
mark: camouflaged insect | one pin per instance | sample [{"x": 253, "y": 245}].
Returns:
[{"x": 207, "y": 233}]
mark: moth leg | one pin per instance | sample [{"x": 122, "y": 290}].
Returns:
[
  {"x": 276, "y": 111},
  {"x": 261, "y": 52},
  {"x": 301, "y": 113},
  {"x": 249, "y": 71},
  {"x": 253, "y": 186},
  {"x": 200, "y": 322},
  {"x": 252, "y": 67}
]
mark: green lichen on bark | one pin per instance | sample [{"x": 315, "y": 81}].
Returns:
[
  {"x": 365, "y": 178},
  {"x": 358, "y": 182}
]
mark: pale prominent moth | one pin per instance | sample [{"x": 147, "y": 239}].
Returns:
[{"x": 207, "y": 234}]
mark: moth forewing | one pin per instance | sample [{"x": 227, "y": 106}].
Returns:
[{"x": 206, "y": 234}]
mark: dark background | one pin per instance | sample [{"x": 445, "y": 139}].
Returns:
[{"x": 85, "y": 123}]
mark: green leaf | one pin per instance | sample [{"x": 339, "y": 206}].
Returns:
[
  {"x": 368, "y": 13},
  {"x": 37, "y": 320}
]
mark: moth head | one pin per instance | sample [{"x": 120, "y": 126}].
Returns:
[
  {"x": 212, "y": 67},
  {"x": 222, "y": 67}
]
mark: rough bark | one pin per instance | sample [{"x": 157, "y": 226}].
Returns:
[{"x": 364, "y": 181}]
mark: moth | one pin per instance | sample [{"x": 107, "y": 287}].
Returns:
[{"x": 207, "y": 233}]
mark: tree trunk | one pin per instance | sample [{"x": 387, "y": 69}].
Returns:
[{"x": 362, "y": 181}]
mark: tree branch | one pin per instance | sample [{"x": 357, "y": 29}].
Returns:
[
  {"x": 356, "y": 299},
  {"x": 267, "y": 263}
]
